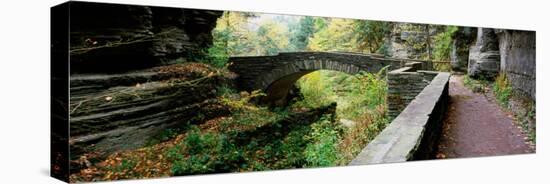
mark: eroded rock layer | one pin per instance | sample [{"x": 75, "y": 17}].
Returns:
[
  {"x": 111, "y": 113},
  {"x": 484, "y": 58},
  {"x": 125, "y": 85},
  {"x": 119, "y": 38}
]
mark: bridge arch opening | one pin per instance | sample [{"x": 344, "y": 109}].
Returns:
[
  {"x": 278, "y": 91},
  {"x": 278, "y": 83},
  {"x": 321, "y": 88}
]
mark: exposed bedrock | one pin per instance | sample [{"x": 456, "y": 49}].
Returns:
[
  {"x": 408, "y": 40},
  {"x": 111, "y": 113},
  {"x": 518, "y": 59},
  {"x": 115, "y": 38},
  {"x": 484, "y": 57},
  {"x": 125, "y": 85},
  {"x": 462, "y": 40},
  {"x": 509, "y": 52}
]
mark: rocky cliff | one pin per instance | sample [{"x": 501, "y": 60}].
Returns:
[
  {"x": 117, "y": 112},
  {"x": 484, "y": 56},
  {"x": 118, "y": 38},
  {"x": 511, "y": 52},
  {"x": 481, "y": 52},
  {"x": 125, "y": 87},
  {"x": 518, "y": 59},
  {"x": 408, "y": 40},
  {"x": 462, "y": 39}
]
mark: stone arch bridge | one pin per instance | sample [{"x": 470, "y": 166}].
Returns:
[
  {"x": 276, "y": 75},
  {"x": 417, "y": 99}
]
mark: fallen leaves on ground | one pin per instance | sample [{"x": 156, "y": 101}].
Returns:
[{"x": 147, "y": 162}]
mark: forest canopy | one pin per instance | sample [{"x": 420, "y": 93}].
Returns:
[{"x": 253, "y": 34}]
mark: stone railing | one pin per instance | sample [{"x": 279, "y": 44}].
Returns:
[
  {"x": 404, "y": 84},
  {"x": 413, "y": 133}
]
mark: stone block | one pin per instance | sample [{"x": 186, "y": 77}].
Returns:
[{"x": 412, "y": 134}]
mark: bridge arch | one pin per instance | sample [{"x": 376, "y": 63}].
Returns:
[
  {"x": 278, "y": 82},
  {"x": 276, "y": 75}
]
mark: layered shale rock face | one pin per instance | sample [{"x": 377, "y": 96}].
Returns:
[
  {"x": 124, "y": 85},
  {"x": 484, "y": 57},
  {"x": 518, "y": 59},
  {"x": 408, "y": 41},
  {"x": 510, "y": 52},
  {"x": 116, "y": 112},
  {"x": 116, "y": 38},
  {"x": 399, "y": 39}
]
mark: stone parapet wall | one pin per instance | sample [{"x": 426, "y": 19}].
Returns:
[
  {"x": 411, "y": 135},
  {"x": 404, "y": 85}
]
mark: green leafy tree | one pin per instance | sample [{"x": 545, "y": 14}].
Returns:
[
  {"x": 349, "y": 35},
  {"x": 303, "y": 32},
  {"x": 272, "y": 38},
  {"x": 443, "y": 42},
  {"x": 337, "y": 35},
  {"x": 370, "y": 35},
  {"x": 231, "y": 37}
]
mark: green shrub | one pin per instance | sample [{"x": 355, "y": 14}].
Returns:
[
  {"x": 196, "y": 154},
  {"x": 217, "y": 56},
  {"x": 205, "y": 152},
  {"x": 525, "y": 119},
  {"x": 367, "y": 92},
  {"x": 175, "y": 153},
  {"x": 303, "y": 145},
  {"x": 194, "y": 164},
  {"x": 225, "y": 91},
  {"x": 323, "y": 151},
  {"x": 443, "y": 43},
  {"x": 354, "y": 94},
  {"x": 315, "y": 90},
  {"x": 502, "y": 89},
  {"x": 476, "y": 85}
]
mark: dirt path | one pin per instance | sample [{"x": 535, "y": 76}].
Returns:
[{"x": 476, "y": 126}]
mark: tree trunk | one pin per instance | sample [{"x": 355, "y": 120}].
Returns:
[{"x": 428, "y": 42}]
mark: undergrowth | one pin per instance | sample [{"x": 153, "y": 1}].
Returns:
[
  {"x": 525, "y": 118},
  {"x": 315, "y": 92},
  {"x": 360, "y": 98},
  {"x": 354, "y": 94},
  {"x": 241, "y": 143},
  {"x": 502, "y": 89},
  {"x": 323, "y": 150},
  {"x": 476, "y": 85},
  {"x": 256, "y": 138}
]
